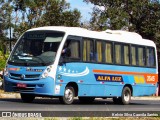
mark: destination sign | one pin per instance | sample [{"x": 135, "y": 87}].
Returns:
[
  {"x": 108, "y": 78},
  {"x": 36, "y": 36}
]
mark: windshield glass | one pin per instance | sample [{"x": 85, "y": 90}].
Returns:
[{"x": 36, "y": 48}]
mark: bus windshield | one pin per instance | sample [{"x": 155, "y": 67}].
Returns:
[{"x": 36, "y": 48}]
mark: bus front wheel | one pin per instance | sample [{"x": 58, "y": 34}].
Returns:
[
  {"x": 69, "y": 95},
  {"x": 27, "y": 98}
]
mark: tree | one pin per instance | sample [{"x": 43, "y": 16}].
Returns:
[
  {"x": 21, "y": 15},
  {"x": 46, "y": 13},
  {"x": 141, "y": 16},
  {"x": 6, "y": 23}
]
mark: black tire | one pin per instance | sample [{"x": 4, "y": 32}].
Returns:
[
  {"x": 86, "y": 99},
  {"x": 68, "y": 97},
  {"x": 126, "y": 96},
  {"x": 27, "y": 98}
]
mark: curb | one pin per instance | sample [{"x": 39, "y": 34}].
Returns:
[{"x": 14, "y": 95}]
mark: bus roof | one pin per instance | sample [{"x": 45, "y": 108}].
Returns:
[{"x": 111, "y": 35}]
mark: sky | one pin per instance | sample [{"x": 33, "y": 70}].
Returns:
[{"x": 83, "y": 7}]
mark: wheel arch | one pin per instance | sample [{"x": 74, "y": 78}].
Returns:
[
  {"x": 130, "y": 87},
  {"x": 75, "y": 86}
]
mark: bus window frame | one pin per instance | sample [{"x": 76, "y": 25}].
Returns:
[
  {"x": 154, "y": 50},
  {"x": 129, "y": 54},
  {"x": 88, "y": 39},
  {"x": 134, "y": 45},
  {"x": 118, "y": 43},
  {"x": 113, "y": 43},
  {"x": 95, "y": 51},
  {"x": 144, "y": 55},
  {"x": 145, "y": 52},
  {"x": 72, "y": 59},
  {"x": 103, "y": 55}
]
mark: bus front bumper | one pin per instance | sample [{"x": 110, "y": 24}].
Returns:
[{"x": 37, "y": 87}]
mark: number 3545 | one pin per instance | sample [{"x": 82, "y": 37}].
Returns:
[{"x": 151, "y": 78}]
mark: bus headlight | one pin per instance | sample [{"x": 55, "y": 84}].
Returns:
[{"x": 46, "y": 72}]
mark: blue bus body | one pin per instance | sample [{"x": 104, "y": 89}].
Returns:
[
  {"x": 88, "y": 79},
  {"x": 80, "y": 73}
]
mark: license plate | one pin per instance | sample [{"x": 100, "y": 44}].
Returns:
[{"x": 21, "y": 85}]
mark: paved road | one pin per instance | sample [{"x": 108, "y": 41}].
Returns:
[{"x": 98, "y": 105}]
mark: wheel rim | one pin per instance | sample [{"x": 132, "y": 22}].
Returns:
[
  {"x": 68, "y": 95},
  {"x": 126, "y": 96}
]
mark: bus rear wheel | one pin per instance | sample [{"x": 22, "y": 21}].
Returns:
[
  {"x": 27, "y": 98},
  {"x": 126, "y": 96},
  {"x": 69, "y": 95}
]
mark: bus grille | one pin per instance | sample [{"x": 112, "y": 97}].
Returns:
[{"x": 27, "y": 76}]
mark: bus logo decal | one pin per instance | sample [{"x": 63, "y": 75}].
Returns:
[
  {"x": 22, "y": 76},
  {"x": 150, "y": 78},
  {"x": 139, "y": 77},
  {"x": 33, "y": 70},
  {"x": 14, "y": 69},
  {"x": 108, "y": 78},
  {"x": 75, "y": 74}
]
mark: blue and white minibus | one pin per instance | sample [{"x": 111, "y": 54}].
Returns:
[{"x": 69, "y": 62}]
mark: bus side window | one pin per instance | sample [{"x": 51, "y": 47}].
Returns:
[
  {"x": 118, "y": 53},
  {"x": 150, "y": 57},
  {"x": 141, "y": 56},
  {"x": 133, "y": 55},
  {"x": 108, "y": 57},
  {"x": 126, "y": 54},
  {"x": 98, "y": 54},
  {"x": 74, "y": 48},
  {"x": 88, "y": 50},
  {"x": 71, "y": 48}
]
